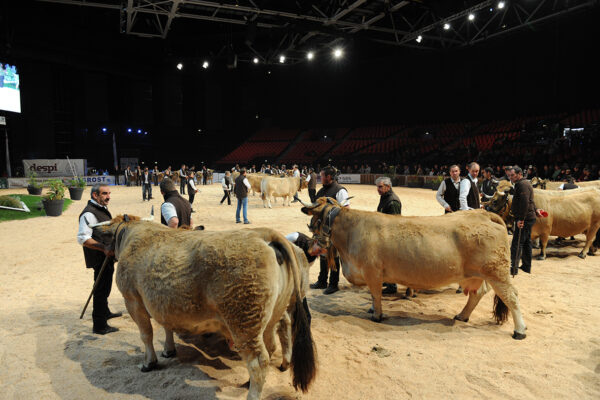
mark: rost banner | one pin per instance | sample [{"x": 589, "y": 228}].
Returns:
[
  {"x": 89, "y": 180},
  {"x": 349, "y": 178},
  {"x": 48, "y": 168}
]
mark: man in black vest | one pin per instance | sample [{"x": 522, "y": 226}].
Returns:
[
  {"x": 312, "y": 185},
  {"x": 192, "y": 190},
  {"x": 146, "y": 184},
  {"x": 489, "y": 184},
  {"x": 468, "y": 197},
  {"x": 334, "y": 190},
  {"x": 175, "y": 211},
  {"x": 389, "y": 203},
  {"x": 241, "y": 193},
  {"x": 447, "y": 194},
  {"x": 182, "y": 179},
  {"x": 94, "y": 252}
]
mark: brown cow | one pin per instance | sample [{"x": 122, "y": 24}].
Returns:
[
  {"x": 469, "y": 247},
  {"x": 246, "y": 284}
]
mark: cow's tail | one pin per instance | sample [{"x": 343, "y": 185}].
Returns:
[
  {"x": 304, "y": 354},
  {"x": 263, "y": 188},
  {"x": 500, "y": 310}
]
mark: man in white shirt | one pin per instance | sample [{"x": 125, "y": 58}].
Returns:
[
  {"x": 468, "y": 197},
  {"x": 448, "y": 192},
  {"x": 192, "y": 190},
  {"x": 295, "y": 174}
]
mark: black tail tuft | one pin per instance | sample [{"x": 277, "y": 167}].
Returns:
[
  {"x": 500, "y": 310},
  {"x": 304, "y": 354}
]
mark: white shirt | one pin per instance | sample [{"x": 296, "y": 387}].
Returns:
[
  {"x": 146, "y": 176},
  {"x": 192, "y": 184},
  {"x": 85, "y": 232},
  {"x": 292, "y": 237},
  {"x": 296, "y": 173},
  {"x": 465, "y": 186},
  {"x": 341, "y": 196},
  {"x": 224, "y": 184},
  {"x": 442, "y": 189},
  {"x": 308, "y": 178},
  {"x": 168, "y": 211},
  {"x": 247, "y": 183}
]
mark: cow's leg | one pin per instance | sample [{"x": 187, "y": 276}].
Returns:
[
  {"x": 543, "y": 244},
  {"x": 140, "y": 316},
  {"x": 474, "y": 297},
  {"x": 169, "y": 350},
  {"x": 374, "y": 283},
  {"x": 590, "y": 235},
  {"x": 257, "y": 360},
  {"x": 508, "y": 294},
  {"x": 269, "y": 339},
  {"x": 284, "y": 330}
]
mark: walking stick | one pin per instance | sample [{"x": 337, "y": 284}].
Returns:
[
  {"x": 104, "y": 264},
  {"x": 514, "y": 269}
]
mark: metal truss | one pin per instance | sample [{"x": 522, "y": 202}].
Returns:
[{"x": 323, "y": 23}]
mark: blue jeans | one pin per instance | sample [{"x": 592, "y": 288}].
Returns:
[{"x": 240, "y": 203}]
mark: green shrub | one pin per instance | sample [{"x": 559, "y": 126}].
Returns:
[
  {"x": 56, "y": 190},
  {"x": 77, "y": 182},
  {"x": 32, "y": 180},
  {"x": 9, "y": 201}
]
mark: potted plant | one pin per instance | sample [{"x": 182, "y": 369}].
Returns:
[
  {"x": 33, "y": 186},
  {"x": 435, "y": 184},
  {"x": 54, "y": 199},
  {"x": 76, "y": 187}
]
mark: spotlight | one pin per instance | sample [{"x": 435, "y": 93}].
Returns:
[
  {"x": 281, "y": 59},
  {"x": 471, "y": 17},
  {"x": 180, "y": 66},
  {"x": 145, "y": 133},
  {"x": 269, "y": 72},
  {"x": 446, "y": 26},
  {"x": 205, "y": 64},
  {"x": 129, "y": 130},
  {"x": 338, "y": 53},
  {"x": 103, "y": 129},
  {"x": 500, "y": 5},
  {"x": 139, "y": 131},
  {"x": 419, "y": 39},
  {"x": 255, "y": 61},
  {"x": 256, "y": 116},
  {"x": 310, "y": 55}
]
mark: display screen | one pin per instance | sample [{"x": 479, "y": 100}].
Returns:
[{"x": 10, "y": 93}]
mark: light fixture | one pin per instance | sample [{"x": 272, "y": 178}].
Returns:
[
  {"x": 129, "y": 130},
  {"x": 310, "y": 55},
  {"x": 256, "y": 116},
  {"x": 180, "y": 66},
  {"x": 139, "y": 131},
  {"x": 255, "y": 60},
  {"x": 145, "y": 133},
  {"x": 103, "y": 129},
  {"x": 282, "y": 59},
  {"x": 205, "y": 64},
  {"x": 419, "y": 39},
  {"x": 337, "y": 52},
  {"x": 471, "y": 17},
  {"x": 500, "y": 5},
  {"x": 269, "y": 72},
  {"x": 446, "y": 26}
]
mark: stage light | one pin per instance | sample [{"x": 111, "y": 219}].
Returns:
[
  {"x": 338, "y": 53},
  {"x": 500, "y": 5},
  {"x": 446, "y": 26},
  {"x": 282, "y": 59},
  {"x": 180, "y": 66},
  {"x": 139, "y": 131},
  {"x": 255, "y": 61},
  {"x": 419, "y": 39},
  {"x": 205, "y": 64},
  {"x": 129, "y": 130},
  {"x": 256, "y": 116},
  {"x": 145, "y": 133},
  {"x": 269, "y": 72},
  {"x": 103, "y": 129},
  {"x": 471, "y": 17},
  {"x": 310, "y": 55}
]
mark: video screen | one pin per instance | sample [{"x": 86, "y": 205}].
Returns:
[{"x": 10, "y": 93}]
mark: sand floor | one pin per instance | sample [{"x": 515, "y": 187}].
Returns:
[{"x": 47, "y": 352}]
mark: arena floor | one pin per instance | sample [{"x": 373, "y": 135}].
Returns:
[{"x": 419, "y": 351}]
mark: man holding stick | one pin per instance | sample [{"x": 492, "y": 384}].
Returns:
[{"x": 95, "y": 253}]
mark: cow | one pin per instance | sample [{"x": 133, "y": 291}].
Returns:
[
  {"x": 570, "y": 212},
  {"x": 544, "y": 184},
  {"x": 247, "y": 284},
  {"x": 468, "y": 247},
  {"x": 254, "y": 180},
  {"x": 280, "y": 187}
]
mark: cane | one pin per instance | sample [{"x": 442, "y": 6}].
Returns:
[
  {"x": 104, "y": 264},
  {"x": 514, "y": 269}
]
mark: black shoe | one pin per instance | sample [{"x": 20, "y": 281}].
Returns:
[
  {"x": 318, "y": 285},
  {"x": 105, "y": 330},
  {"x": 238, "y": 222},
  {"x": 527, "y": 270},
  {"x": 193, "y": 211},
  {"x": 246, "y": 222},
  {"x": 114, "y": 315},
  {"x": 331, "y": 289},
  {"x": 389, "y": 290}
]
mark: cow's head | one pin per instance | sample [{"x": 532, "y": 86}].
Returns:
[
  {"x": 111, "y": 231},
  {"x": 535, "y": 182},
  {"x": 505, "y": 187},
  {"x": 498, "y": 203}
]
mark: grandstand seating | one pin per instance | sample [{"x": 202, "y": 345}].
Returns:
[{"x": 305, "y": 152}]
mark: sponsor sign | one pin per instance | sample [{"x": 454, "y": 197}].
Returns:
[
  {"x": 349, "y": 178},
  {"x": 90, "y": 180},
  {"x": 54, "y": 167}
]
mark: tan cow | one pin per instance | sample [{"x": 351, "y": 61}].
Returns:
[
  {"x": 254, "y": 180},
  {"x": 570, "y": 213},
  {"x": 545, "y": 184},
  {"x": 280, "y": 187},
  {"x": 245, "y": 284},
  {"x": 469, "y": 247}
]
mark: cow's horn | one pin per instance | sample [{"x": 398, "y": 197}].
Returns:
[
  {"x": 99, "y": 224},
  {"x": 346, "y": 202},
  {"x": 301, "y": 202},
  {"x": 151, "y": 217}
]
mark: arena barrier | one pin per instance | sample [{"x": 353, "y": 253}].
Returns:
[{"x": 90, "y": 180}]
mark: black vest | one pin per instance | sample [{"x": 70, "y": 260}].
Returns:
[
  {"x": 451, "y": 195},
  {"x": 95, "y": 258},
  {"x": 182, "y": 208},
  {"x": 473, "y": 196},
  {"x": 241, "y": 191},
  {"x": 386, "y": 200},
  {"x": 189, "y": 185},
  {"x": 312, "y": 184},
  {"x": 330, "y": 191}
]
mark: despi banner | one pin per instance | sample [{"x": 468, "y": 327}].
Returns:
[{"x": 56, "y": 167}]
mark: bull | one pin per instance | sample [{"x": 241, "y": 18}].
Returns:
[
  {"x": 248, "y": 285},
  {"x": 471, "y": 248},
  {"x": 280, "y": 187}
]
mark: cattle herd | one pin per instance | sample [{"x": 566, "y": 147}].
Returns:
[{"x": 250, "y": 285}]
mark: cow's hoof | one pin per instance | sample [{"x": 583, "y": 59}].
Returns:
[
  {"x": 245, "y": 385},
  {"x": 282, "y": 368},
  {"x": 371, "y": 310},
  {"x": 518, "y": 336},
  {"x": 375, "y": 319},
  {"x": 541, "y": 257},
  {"x": 457, "y": 318},
  {"x": 169, "y": 354},
  {"x": 535, "y": 246},
  {"x": 591, "y": 253},
  {"x": 149, "y": 367},
  {"x": 581, "y": 255}
]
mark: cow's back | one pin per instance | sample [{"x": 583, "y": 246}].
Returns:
[{"x": 569, "y": 212}]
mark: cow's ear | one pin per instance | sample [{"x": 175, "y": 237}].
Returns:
[{"x": 307, "y": 210}]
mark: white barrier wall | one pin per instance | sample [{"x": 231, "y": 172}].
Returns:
[{"x": 90, "y": 180}]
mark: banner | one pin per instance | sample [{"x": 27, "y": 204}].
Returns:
[
  {"x": 49, "y": 167},
  {"x": 349, "y": 178},
  {"x": 90, "y": 180}
]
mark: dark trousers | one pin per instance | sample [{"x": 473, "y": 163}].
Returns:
[
  {"x": 100, "y": 302},
  {"x": 155, "y": 179},
  {"x": 312, "y": 193},
  {"x": 334, "y": 277},
  {"x": 146, "y": 189},
  {"x": 524, "y": 244},
  {"x": 182, "y": 185},
  {"x": 227, "y": 196},
  {"x": 204, "y": 180},
  {"x": 191, "y": 194}
]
